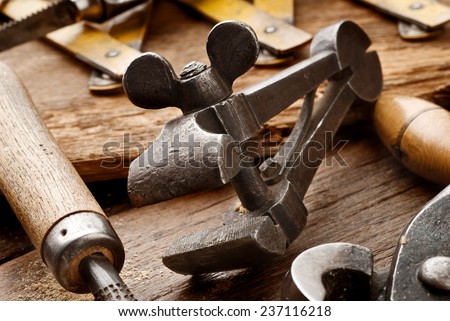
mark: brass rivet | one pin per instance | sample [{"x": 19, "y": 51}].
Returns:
[
  {"x": 112, "y": 53},
  {"x": 416, "y": 6},
  {"x": 270, "y": 29}
]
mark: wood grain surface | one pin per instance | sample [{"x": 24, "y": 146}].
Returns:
[
  {"x": 365, "y": 200},
  {"x": 37, "y": 179}
]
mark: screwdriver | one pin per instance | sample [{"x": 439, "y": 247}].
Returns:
[
  {"x": 415, "y": 132},
  {"x": 56, "y": 209}
]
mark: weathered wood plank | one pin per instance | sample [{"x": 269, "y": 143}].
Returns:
[
  {"x": 83, "y": 124},
  {"x": 343, "y": 207}
]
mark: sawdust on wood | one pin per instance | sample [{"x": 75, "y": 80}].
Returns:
[{"x": 43, "y": 286}]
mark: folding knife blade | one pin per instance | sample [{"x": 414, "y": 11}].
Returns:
[
  {"x": 281, "y": 9},
  {"x": 427, "y": 14},
  {"x": 129, "y": 28},
  {"x": 274, "y": 35},
  {"x": 412, "y": 32}
]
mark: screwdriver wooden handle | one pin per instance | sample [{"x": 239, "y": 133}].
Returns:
[
  {"x": 37, "y": 179},
  {"x": 56, "y": 209},
  {"x": 417, "y": 133}
]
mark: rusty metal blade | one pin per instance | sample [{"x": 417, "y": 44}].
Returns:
[
  {"x": 242, "y": 244},
  {"x": 53, "y": 17}
]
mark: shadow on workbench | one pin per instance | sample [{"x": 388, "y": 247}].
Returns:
[{"x": 111, "y": 195}]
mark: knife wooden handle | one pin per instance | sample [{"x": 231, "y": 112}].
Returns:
[
  {"x": 39, "y": 182},
  {"x": 417, "y": 133}
]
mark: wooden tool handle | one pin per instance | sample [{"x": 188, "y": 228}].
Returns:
[
  {"x": 39, "y": 182},
  {"x": 417, "y": 133}
]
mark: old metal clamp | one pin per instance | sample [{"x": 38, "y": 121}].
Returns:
[
  {"x": 420, "y": 268},
  {"x": 207, "y": 144}
]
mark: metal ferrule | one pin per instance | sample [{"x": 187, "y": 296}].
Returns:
[{"x": 74, "y": 238}]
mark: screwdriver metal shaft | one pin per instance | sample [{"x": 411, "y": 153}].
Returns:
[{"x": 103, "y": 280}]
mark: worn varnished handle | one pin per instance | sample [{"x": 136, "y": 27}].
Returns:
[
  {"x": 417, "y": 133},
  {"x": 37, "y": 179}
]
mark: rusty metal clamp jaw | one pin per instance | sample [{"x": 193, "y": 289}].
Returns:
[
  {"x": 178, "y": 161},
  {"x": 271, "y": 195},
  {"x": 420, "y": 268}
]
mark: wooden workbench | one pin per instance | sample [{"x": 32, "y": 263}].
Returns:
[{"x": 366, "y": 202}]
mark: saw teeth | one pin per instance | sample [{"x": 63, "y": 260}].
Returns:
[
  {"x": 12, "y": 22},
  {"x": 37, "y": 24}
]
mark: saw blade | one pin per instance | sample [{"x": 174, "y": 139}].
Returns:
[{"x": 53, "y": 17}]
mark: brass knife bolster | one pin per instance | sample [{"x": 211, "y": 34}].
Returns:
[
  {"x": 275, "y": 35},
  {"x": 429, "y": 15},
  {"x": 281, "y": 9},
  {"x": 94, "y": 47}
]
